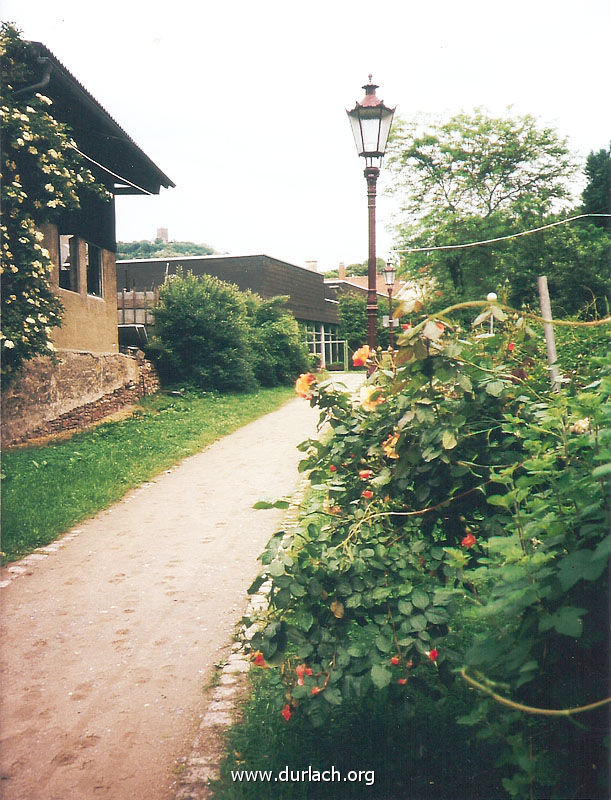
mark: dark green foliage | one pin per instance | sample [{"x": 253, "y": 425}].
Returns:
[
  {"x": 596, "y": 197},
  {"x": 461, "y": 523},
  {"x": 202, "y": 325},
  {"x": 278, "y": 352},
  {"x": 160, "y": 249},
  {"x": 211, "y": 335},
  {"x": 409, "y": 750},
  {"x": 352, "y": 314}
]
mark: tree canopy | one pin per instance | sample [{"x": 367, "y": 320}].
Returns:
[
  {"x": 160, "y": 249},
  {"x": 596, "y": 197},
  {"x": 477, "y": 177}
]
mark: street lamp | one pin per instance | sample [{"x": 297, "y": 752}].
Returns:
[
  {"x": 371, "y": 120},
  {"x": 390, "y": 274}
]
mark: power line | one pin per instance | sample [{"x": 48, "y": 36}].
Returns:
[
  {"x": 498, "y": 238},
  {"x": 114, "y": 174}
]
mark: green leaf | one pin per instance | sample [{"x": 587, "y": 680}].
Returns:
[
  {"x": 448, "y": 440},
  {"x": 582, "y": 564},
  {"x": 332, "y": 696},
  {"x": 418, "y": 622},
  {"x": 419, "y": 598},
  {"x": 262, "y": 504},
  {"x": 380, "y": 676},
  {"x": 276, "y": 568},
  {"x": 495, "y": 388},
  {"x": 602, "y": 471},
  {"x": 464, "y": 381},
  {"x": 303, "y": 619},
  {"x": 405, "y": 607},
  {"x": 567, "y": 620}
]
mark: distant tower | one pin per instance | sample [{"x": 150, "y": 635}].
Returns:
[{"x": 162, "y": 233}]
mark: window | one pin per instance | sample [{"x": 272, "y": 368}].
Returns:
[
  {"x": 94, "y": 270},
  {"x": 68, "y": 262}
]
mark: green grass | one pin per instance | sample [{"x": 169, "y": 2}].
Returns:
[{"x": 46, "y": 490}]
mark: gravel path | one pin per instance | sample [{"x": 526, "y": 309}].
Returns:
[{"x": 109, "y": 636}]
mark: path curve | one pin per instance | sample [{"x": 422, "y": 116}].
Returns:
[{"x": 107, "y": 643}]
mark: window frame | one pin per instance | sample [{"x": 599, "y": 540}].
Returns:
[{"x": 95, "y": 279}]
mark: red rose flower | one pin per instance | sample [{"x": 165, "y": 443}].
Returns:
[
  {"x": 511, "y": 346},
  {"x": 332, "y": 468},
  {"x": 259, "y": 660},
  {"x": 394, "y": 660},
  {"x": 432, "y": 654},
  {"x": 402, "y": 681},
  {"x": 367, "y": 494},
  {"x": 286, "y": 712},
  {"x": 468, "y": 541},
  {"x": 316, "y": 690},
  {"x": 365, "y": 474}
]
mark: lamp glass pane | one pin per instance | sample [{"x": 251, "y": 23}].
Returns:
[{"x": 385, "y": 123}]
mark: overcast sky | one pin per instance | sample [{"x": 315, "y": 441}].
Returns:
[{"x": 243, "y": 103}]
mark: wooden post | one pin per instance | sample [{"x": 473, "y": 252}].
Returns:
[
  {"x": 548, "y": 329},
  {"x": 123, "y": 304}
]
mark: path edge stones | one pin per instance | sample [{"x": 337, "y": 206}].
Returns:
[{"x": 223, "y": 701}]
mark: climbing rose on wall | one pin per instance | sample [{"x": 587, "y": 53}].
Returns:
[{"x": 43, "y": 175}]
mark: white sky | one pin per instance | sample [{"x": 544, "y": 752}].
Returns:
[{"x": 243, "y": 103}]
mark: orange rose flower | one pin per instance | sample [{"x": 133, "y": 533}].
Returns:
[
  {"x": 303, "y": 384},
  {"x": 365, "y": 396},
  {"x": 360, "y": 356},
  {"x": 389, "y": 444}
]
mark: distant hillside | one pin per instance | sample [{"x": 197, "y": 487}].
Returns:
[{"x": 161, "y": 249}]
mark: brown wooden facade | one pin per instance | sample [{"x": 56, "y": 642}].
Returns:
[{"x": 268, "y": 277}]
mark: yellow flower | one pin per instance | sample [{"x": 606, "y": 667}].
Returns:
[{"x": 368, "y": 402}]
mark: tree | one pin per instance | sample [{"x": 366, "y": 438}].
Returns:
[
  {"x": 161, "y": 249},
  {"x": 352, "y": 315},
  {"x": 596, "y": 197},
  {"x": 472, "y": 178},
  {"x": 42, "y": 176}
]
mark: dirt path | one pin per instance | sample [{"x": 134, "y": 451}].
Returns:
[{"x": 107, "y": 643}]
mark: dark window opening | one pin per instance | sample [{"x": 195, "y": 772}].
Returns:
[
  {"x": 68, "y": 262},
  {"x": 94, "y": 270}
]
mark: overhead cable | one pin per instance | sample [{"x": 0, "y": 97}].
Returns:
[
  {"x": 498, "y": 238},
  {"x": 114, "y": 174}
]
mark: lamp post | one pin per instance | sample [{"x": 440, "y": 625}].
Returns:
[
  {"x": 371, "y": 120},
  {"x": 390, "y": 274}
]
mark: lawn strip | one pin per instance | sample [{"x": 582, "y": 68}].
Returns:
[{"x": 47, "y": 489}]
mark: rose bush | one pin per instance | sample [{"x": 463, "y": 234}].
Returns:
[{"x": 477, "y": 550}]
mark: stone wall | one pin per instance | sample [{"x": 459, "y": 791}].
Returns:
[{"x": 77, "y": 390}]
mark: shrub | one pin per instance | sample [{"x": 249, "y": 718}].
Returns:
[
  {"x": 458, "y": 531},
  {"x": 202, "y": 325},
  {"x": 278, "y": 353}
]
